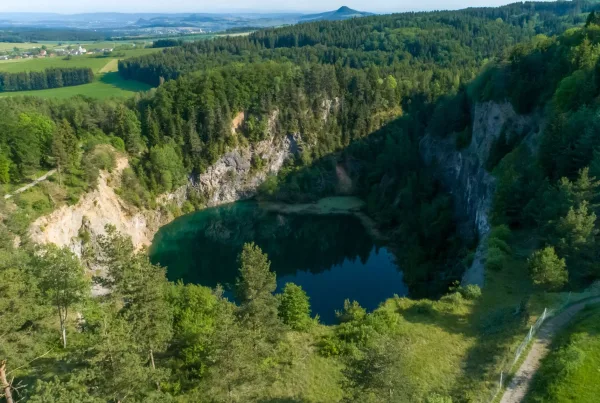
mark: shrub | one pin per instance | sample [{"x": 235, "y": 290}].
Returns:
[
  {"x": 547, "y": 269},
  {"x": 294, "y": 309},
  {"x": 437, "y": 398},
  {"x": 118, "y": 143},
  {"x": 500, "y": 232},
  {"x": 454, "y": 298},
  {"x": 500, "y": 244},
  {"x": 470, "y": 292},
  {"x": 495, "y": 259},
  {"x": 330, "y": 347}
]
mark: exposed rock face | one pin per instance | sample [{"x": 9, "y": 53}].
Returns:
[
  {"x": 233, "y": 177},
  {"x": 73, "y": 225},
  {"x": 463, "y": 173}
]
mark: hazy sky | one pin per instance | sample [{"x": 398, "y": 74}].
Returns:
[{"x": 163, "y": 6}]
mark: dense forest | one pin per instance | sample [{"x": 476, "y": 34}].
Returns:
[
  {"x": 20, "y": 35},
  {"x": 361, "y": 93},
  {"x": 451, "y": 43},
  {"x": 41, "y": 80}
]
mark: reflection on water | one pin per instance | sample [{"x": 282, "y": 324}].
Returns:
[{"x": 331, "y": 256}]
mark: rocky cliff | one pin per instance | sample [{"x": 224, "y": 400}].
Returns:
[
  {"x": 238, "y": 174},
  {"x": 72, "y": 225},
  {"x": 463, "y": 172}
]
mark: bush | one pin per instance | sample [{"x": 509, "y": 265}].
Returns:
[
  {"x": 500, "y": 244},
  {"x": 500, "y": 232},
  {"x": 294, "y": 309},
  {"x": 330, "y": 347},
  {"x": 118, "y": 143},
  {"x": 437, "y": 398},
  {"x": 470, "y": 292},
  {"x": 495, "y": 259},
  {"x": 454, "y": 298}
]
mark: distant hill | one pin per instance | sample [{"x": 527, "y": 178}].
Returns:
[{"x": 342, "y": 13}]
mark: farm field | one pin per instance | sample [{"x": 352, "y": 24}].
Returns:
[
  {"x": 9, "y": 46},
  {"x": 93, "y": 62},
  {"x": 107, "y": 83}
]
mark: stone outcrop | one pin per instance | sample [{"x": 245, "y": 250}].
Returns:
[
  {"x": 238, "y": 174},
  {"x": 463, "y": 172},
  {"x": 76, "y": 225},
  {"x": 233, "y": 177}
]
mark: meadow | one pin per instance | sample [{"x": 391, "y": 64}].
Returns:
[
  {"x": 107, "y": 83},
  {"x": 570, "y": 372}
]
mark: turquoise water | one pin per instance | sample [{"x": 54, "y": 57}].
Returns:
[{"x": 331, "y": 256}]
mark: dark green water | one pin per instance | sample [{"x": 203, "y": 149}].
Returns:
[{"x": 331, "y": 256}]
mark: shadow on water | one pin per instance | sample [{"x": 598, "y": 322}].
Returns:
[{"x": 332, "y": 257}]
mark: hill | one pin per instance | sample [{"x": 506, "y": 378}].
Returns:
[
  {"x": 342, "y": 13},
  {"x": 467, "y": 133}
]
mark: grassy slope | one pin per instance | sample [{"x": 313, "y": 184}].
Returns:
[
  {"x": 570, "y": 372},
  {"x": 107, "y": 83},
  {"x": 459, "y": 347}
]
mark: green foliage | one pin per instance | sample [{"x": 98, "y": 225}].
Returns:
[
  {"x": 470, "y": 291},
  {"x": 437, "y": 398},
  {"x": 57, "y": 391},
  {"x": 573, "y": 360},
  {"x": 141, "y": 288},
  {"x": 294, "y": 308},
  {"x": 62, "y": 282},
  {"x": 165, "y": 168},
  {"x": 194, "y": 314},
  {"x": 50, "y": 78},
  {"x": 547, "y": 269},
  {"x": 5, "y": 167}
]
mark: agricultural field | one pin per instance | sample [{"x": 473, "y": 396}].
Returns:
[
  {"x": 107, "y": 83},
  {"x": 95, "y": 62}
]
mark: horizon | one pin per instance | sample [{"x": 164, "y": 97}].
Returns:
[{"x": 72, "y": 7}]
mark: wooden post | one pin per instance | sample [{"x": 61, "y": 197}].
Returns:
[{"x": 6, "y": 387}]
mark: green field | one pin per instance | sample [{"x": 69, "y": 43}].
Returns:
[
  {"x": 570, "y": 372},
  {"x": 9, "y": 46},
  {"x": 107, "y": 83},
  {"x": 94, "y": 62}
]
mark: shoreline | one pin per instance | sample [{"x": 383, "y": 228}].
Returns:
[{"x": 334, "y": 205}]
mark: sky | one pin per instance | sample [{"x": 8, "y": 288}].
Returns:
[{"x": 198, "y": 6}]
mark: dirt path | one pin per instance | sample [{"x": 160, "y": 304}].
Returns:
[
  {"x": 110, "y": 67},
  {"x": 517, "y": 389},
  {"x": 32, "y": 184}
]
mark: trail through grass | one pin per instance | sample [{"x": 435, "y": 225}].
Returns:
[{"x": 570, "y": 372}]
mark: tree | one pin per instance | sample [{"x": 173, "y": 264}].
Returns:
[
  {"x": 255, "y": 287},
  {"x": 141, "y": 289},
  {"x": 117, "y": 370},
  {"x": 371, "y": 376},
  {"x": 547, "y": 269},
  {"x": 232, "y": 357},
  {"x": 294, "y": 309},
  {"x": 166, "y": 168},
  {"x": 4, "y": 169},
  {"x": 62, "y": 280},
  {"x": 577, "y": 230},
  {"x": 128, "y": 127},
  {"x": 64, "y": 147},
  {"x": 258, "y": 306}
]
